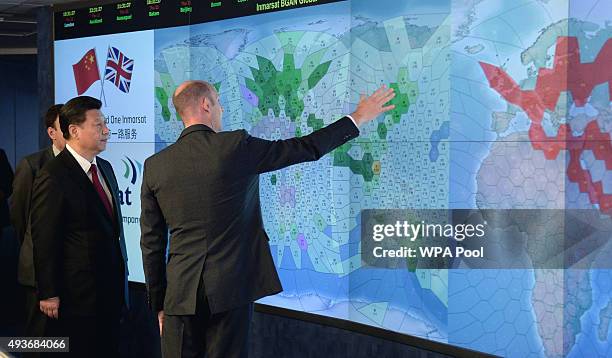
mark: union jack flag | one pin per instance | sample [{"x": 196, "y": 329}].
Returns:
[{"x": 119, "y": 69}]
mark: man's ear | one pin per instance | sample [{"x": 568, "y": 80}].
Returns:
[
  {"x": 205, "y": 104},
  {"x": 74, "y": 131},
  {"x": 50, "y": 132}
]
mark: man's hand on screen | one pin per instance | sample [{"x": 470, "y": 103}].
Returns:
[
  {"x": 50, "y": 307},
  {"x": 160, "y": 319},
  {"x": 372, "y": 106}
]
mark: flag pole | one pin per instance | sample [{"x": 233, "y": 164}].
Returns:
[{"x": 102, "y": 94}]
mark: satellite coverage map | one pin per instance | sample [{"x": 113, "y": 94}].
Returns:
[{"x": 499, "y": 105}]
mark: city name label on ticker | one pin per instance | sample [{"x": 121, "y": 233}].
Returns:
[{"x": 127, "y": 16}]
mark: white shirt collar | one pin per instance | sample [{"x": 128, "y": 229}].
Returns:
[
  {"x": 84, "y": 163},
  {"x": 55, "y": 150}
]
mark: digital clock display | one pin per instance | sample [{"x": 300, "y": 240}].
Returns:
[
  {"x": 68, "y": 18},
  {"x": 95, "y": 15},
  {"x": 153, "y": 8},
  {"x": 124, "y": 11}
]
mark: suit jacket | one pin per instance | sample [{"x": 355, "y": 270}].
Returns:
[
  {"x": 6, "y": 187},
  {"x": 205, "y": 190},
  {"x": 79, "y": 249},
  {"x": 26, "y": 172}
]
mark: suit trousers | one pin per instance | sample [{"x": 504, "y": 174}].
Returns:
[{"x": 219, "y": 335}]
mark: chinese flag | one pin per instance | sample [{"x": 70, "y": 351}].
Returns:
[{"x": 86, "y": 71}]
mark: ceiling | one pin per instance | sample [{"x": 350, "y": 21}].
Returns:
[{"x": 18, "y": 24}]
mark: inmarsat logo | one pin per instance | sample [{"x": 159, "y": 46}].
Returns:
[
  {"x": 133, "y": 169},
  {"x": 130, "y": 169}
]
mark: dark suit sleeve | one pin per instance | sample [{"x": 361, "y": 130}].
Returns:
[
  {"x": 266, "y": 155},
  {"x": 22, "y": 194},
  {"x": 46, "y": 225},
  {"x": 153, "y": 242}
]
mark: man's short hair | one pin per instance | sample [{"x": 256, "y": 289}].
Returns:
[
  {"x": 191, "y": 93},
  {"x": 73, "y": 112},
  {"x": 52, "y": 114}
]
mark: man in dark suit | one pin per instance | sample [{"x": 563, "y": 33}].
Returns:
[
  {"x": 26, "y": 171},
  {"x": 77, "y": 236},
  {"x": 205, "y": 190}
]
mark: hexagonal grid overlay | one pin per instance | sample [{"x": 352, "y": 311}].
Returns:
[{"x": 500, "y": 159}]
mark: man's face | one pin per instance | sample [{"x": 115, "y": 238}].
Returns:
[
  {"x": 93, "y": 133},
  {"x": 56, "y": 135}
]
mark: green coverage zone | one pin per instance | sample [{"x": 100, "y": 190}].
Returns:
[
  {"x": 406, "y": 93},
  {"x": 164, "y": 93},
  {"x": 289, "y": 85}
]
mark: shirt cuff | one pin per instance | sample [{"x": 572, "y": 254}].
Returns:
[{"x": 352, "y": 120}]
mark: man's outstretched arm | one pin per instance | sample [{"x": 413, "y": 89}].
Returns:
[{"x": 266, "y": 155}]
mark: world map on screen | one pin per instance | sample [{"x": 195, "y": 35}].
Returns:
[{"x": 500, "y": 105}]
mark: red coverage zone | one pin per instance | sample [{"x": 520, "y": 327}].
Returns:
[{"x": 567, "y": 74}]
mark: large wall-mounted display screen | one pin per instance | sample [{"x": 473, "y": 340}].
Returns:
[{"x": 490, "y": 96}]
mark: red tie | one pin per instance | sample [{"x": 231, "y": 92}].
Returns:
[{"x": 98, "y": 186}]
